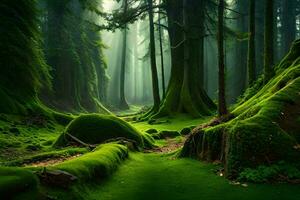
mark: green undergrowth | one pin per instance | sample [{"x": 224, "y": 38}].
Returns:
[
  {"x": 264, "y": 130},
  {"x": 14, "y": 181},
  {"x": 96, "y": 129},
  {"x": 277, "y": 172}
]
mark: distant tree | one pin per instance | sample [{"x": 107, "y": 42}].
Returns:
[
  {"x": 186, "y": 28},
  {"x": 269, "y": 40},
  {"x": 288, "y": 23},
  {"x": 160, "y": 32},
  {"x": 240, "y": 66},
  {"x": 155, "y": 85},
  {"x": 222, "y": 108},
  {"x": 123, "y": 103},
  {"x": 251, "y": 65}
]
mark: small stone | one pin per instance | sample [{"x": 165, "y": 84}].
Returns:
[{"x": 245, "y": 185}]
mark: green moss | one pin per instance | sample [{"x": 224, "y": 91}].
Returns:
[
  {"x": 100, "y": 163},
  {"x": 280, "y": 171},
  {"x": 96, "y": 129},
  {"x": 14, "y": 181}
]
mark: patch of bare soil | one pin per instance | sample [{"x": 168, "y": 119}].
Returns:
[
  {"x": 51, "y": 161},
  {"x": 172, "y": 145}
]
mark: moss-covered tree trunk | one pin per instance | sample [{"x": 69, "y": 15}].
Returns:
[
  {"x": 269, "y": 40},
  {"x": 222, "y": 108},
  {"x": 22, "y": 66},
  {"x": 71, "y": 44},
  {"x": 185, "y": 93},
  {"x": 251, "y": 44}
]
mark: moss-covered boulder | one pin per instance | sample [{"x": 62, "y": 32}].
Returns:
[
  {"x": 96, "y": 129},
  {"x": 264, "y": 130}
]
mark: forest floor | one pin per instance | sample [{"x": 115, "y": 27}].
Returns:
[
  {"x": 158, "y": 175},
  {"x": 154, "y": 174}
]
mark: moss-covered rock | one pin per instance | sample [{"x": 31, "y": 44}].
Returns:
[
  {"x": 96, "y": 129},
  {"x": 264, "y": 128}
]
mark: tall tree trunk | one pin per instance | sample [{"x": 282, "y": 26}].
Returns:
[
  {"x": 222, "y": 100},
  {"x": 240, "y": 72},
  {"x": 155, "y": 85},
  {"x": 259, "y": 36},
  {"x": 123, "y": 103},
  {"x": 185, "y": 94},
  {"x": 161, "y": 53},
  {"x": 288, "y": 24},
  {"x": 269, "y": 40},
  {"x": 251, "y": 44}
]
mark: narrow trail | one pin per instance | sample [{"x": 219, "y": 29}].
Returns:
[{"x": 156, "y": 176}]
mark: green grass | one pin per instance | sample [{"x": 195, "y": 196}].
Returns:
[{"x": 155, "y": 177}]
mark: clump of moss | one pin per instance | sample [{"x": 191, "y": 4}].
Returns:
[
  {"x": 14, "y": 181},
  {"x": 96, "y": 129},
  {"x": 259, "y": 134}
]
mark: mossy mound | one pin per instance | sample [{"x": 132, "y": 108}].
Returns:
[
  {"x": 265, "y": 128},
  {"x": 14, "y": 181},
  {"x": 100, "y": 163},
  {"x": 96, "y": 129}
]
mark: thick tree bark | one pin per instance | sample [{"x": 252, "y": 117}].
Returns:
[
  {"x": 185, "y": 93},
  {"x": 269, "y": 40},
  {"x": 222, "y": 100},
  {"x": 123, "y": 103},
  {"x": 251, "y": 44}
]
